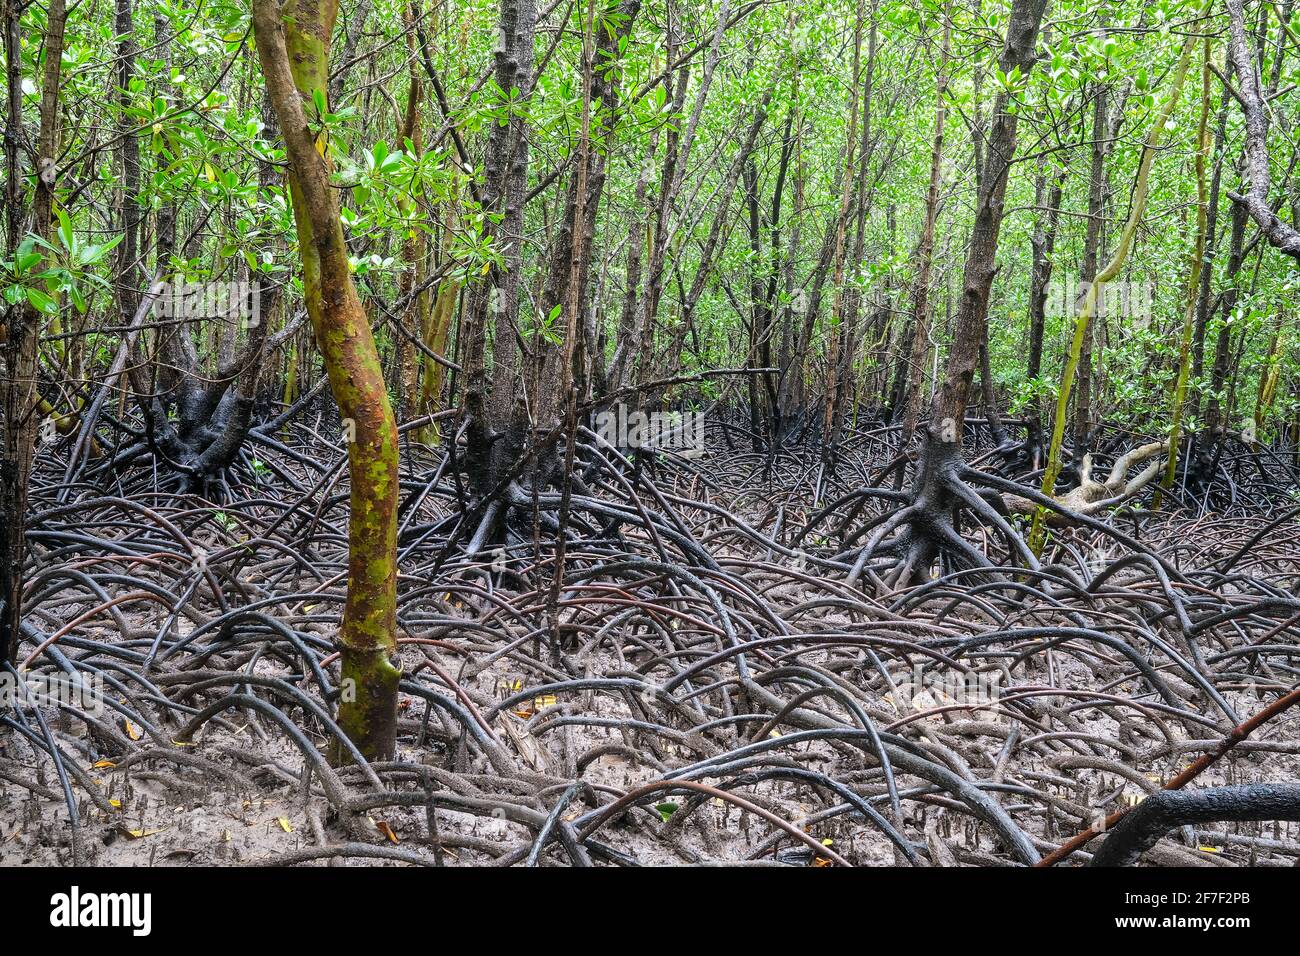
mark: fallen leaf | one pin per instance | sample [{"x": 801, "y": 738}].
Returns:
[{"x": 140, "y": 834}]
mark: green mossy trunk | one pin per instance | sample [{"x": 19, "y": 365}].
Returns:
[
  {"x": 367, "y": 708},
  {"x": 293, "y": 45}
]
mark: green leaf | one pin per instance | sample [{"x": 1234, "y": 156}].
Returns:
[
  {"x": 42, "y": 302},
  {"x": 96, "y": 254},
  {"x": 65, "y": 230}
]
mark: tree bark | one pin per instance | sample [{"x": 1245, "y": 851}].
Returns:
[
  {"x": 293, "y": 47},
  {"x": 496, "y": 422},
  {"x": 949, "y": 410},
  {"x": 920, "y": 342},
  {"x": 1257, "y": 174},
  {"x": 23, "y": 338}
]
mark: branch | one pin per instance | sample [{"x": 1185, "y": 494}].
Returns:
[
  {"x": 1093, "y": 497},
  {"x": 1258, "y": 178}
]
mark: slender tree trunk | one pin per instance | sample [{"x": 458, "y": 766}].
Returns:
[
  {"x": 577, "y": 227},
  {"x": 1195, "y": 263},
  {"x": 757, "y": 304},
  {"x": 674, "y": 170},
  {"x": 572, "y": 308},
  {"x": 938, "y": 484},
  {"x": 293, "y": 46},
  {"x": 436, "y": 330},
  {"x": 24, "y": 324},
  {"x": 667, "y": 364},
  {"x": 949, "y": 409},
  {"x": 1141, "y": 187},
  {"x": 840, "y": 359},
  {"x": 837, "y": 258},
  {"x": 1101, "y": 138},
  {"x": 920, "y": 340},
  {"x": 497, "y": 420},
  {"x": 1216, "y": 411},
  {"x": 638, "y": 237},
  {"x": 129, "y": 161},
  {"x": 414, "y": 245},
  {"x": 1258, "y": 178},
  {"x": 1044, "y": 244}
]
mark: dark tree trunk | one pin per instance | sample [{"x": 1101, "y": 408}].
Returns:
[
  {"x": 1044, "y": 243},
  {"x": 1101, "y": 138},
  {"x": 497, "y": 422},
  {"x": 919, "y": 339},
  {"x": 937, "y": 488},
  {"x": 981, "y": 262},
  {"x": 23, "y": 321}
]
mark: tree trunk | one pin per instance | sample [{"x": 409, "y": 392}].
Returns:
[
  {"x": 23, "y": 338},
  {"x": 938, "y": 486},
  {"x": 1195, "y": 263},
  {"x": 414, "y": 245},
  {"x": 1044, "y": 244},
  {"x": 949, "y": 410},
  {"x": 293, "y": 47},
  {"x": 1105, "y": 128},
  {"x": 1258, "y": 177},
  {"x": 1087, "y": 309},
  {"x": 497, "y": 422},
  {"x": 920, "y": 340}
]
